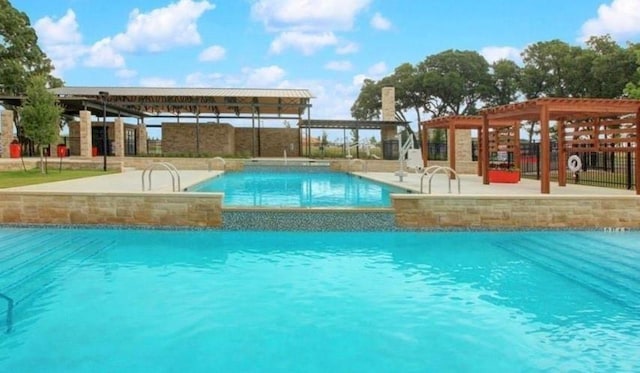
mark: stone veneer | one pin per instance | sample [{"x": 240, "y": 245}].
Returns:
[
  {"x": 130, "y": 209},
  {"x": 6, "y": 132},
  {"x": 516, "y": 212}
]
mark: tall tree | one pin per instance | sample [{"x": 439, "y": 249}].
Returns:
[
  {"x": 457, "y": 80},
  {"x": 506, "y": 83},
  {"x": 41, "y": 115},
  {"x": 633, "y": 87},
  {"x": 369, "y": 102},
  {"x": 20, "y": 57},
  {"x": 546, "y": 65}
]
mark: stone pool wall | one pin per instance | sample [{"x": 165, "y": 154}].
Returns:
[
  {"x": 127, "y": 209},
  {"x": 516, "y": 212}
]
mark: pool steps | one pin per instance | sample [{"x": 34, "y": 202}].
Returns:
[{"x": 582, "y": 263}]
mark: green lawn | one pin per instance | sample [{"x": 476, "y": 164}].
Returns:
[{"x": 10, "y": 179}]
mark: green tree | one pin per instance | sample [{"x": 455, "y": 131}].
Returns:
[
  {"x": 41, "y": 115},
  {"x": 632, "y": 88},
  {"x": 457, "y": 81},
  {"x": 20, "y": 56},
  {"x": 612, "y": 67},
  {"x": 505, "y": 78},
  {"x": 369, "y": 102}
]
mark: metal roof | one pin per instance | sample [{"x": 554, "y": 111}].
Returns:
[
  {"x": 349, "y": 124},
  {"x": 242, "y": 102}
]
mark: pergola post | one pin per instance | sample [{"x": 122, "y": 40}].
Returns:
[
  {"x": 562, "y": 155},
  {"x": 425, "y": 145},
  {"x": 637, "y": 163},
  {"x": 545, "y": 145},
  {"x": 484, "y": 150},
  {"x": 452, "y": 148}
]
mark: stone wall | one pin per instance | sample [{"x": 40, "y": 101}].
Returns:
[
  {"x": 215, "y": 139},
  {"x": 6, "y": 132},
  {"x": 140, "y": 163},
  {"x": 131, "y": 209},
  {"x": 470, "y": 167},
  {"x": 516, "y": 212},
  {"x": 271, "y": 142}
]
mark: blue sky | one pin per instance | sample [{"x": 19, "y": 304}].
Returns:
[{"x": 326, "y": 46}]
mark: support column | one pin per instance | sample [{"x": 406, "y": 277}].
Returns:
[
  {"x": 85, "y": 133},
  {"x": 142, "y": 138},
  {"x": 545, "y": 147},
  {"x": 118, "y": 137},
  {"x": 484, "y": 149},
  {"x": 388, "y": 114},
  {"x": 637, "y": 162},
  {"x": 452, "y": 147},
  {"x": 6, "y": 132},
  {"x": 562, "y": 155}
]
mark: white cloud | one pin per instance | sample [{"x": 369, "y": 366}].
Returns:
[
  {"x": 61, "y": 40},
  {"x": 309, "y": 16},
  {"x": 62, "y": 31},
  {"x": 377, "y": 69},
  {"x": 621, "y": 20},
  {"x": 157, "y": 82},
  {"x": 304, "y": 42},
  {"x": 163, "y": 28},
  {"x": 102, "y": 54},
  {"x": 338, "y": 65},
  {"x": 213, "y": 53},
  {"x": 348, "y": 48},
  {"x": 126, "y": 73},
  {"x": 261, "y": 77},
  {"x": 359, "y": 79},
  {"x": 378, "y": 22},
  {"x": 494, "y": 53}
]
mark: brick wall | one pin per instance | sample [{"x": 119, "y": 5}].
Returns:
[
  {"x": 551, "y": 211},
  {"x": 215, "y": 139},
  {"x": 133, "y": 209},
  {"x": 272, "y": 141}
]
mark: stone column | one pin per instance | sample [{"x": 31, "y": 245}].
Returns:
[
  {"x": 118, "y": 137},
  {"x": 142, "y": 138},
  {"x": 6, "y": 132},
  {"x": 388, "y": 112},
  {"x": 85, "y": 133},
  {"x": 463, "y": 146}
]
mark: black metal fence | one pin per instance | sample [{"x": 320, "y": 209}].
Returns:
[{"x": 605, "y": 169}]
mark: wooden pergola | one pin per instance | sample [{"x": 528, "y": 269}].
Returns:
[
  {"x": 505, "y": 136},
  {"x": 584, "y": 125}
]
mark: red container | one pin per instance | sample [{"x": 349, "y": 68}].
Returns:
[
  {"x": 504, "y": 176},
  {"x": 94, "y": 151},
  {"x": 61, "y": 150},
  {"x": 15, "y": 150}
]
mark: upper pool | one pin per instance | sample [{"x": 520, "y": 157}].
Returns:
[{"x": 297, "y": 187}]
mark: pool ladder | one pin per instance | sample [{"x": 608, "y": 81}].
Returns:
[
  {"x": 9, "y": 311},
  {"x": 173, "y": 171},
  {"x": 219, "y": 159},
  {"x": 432, "y": 170}
]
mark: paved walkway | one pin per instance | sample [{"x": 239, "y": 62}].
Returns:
[
  {"x": 131, "y": 181},
  {"x": 125, "y": 182}
]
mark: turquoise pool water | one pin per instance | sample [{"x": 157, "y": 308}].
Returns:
[
  {"x": 297, "y": 187},
  {"x": 91, "y": 300}
]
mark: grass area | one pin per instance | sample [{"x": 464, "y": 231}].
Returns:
[{"x": 9, "y": 179}]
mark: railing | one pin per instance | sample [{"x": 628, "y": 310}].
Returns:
[
  {"x": 9, "y": 312},
  {"x": 173, "y": 171},
  {"x": 210, "y": 162},
  {"x": 357, "y": 160},
  {"x": 432, "y": 170}
]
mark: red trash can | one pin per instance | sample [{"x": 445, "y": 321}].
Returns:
[
  {"x": 15, "y": 150},
  {"x": 94, "y": 151},
  {"x": 61, "y": 150}
]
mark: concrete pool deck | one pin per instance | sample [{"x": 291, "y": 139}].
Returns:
[
  {"x": 118, "y": 199},
  {"x": 131, "y": 181}
]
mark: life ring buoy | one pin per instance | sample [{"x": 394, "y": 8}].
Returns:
[{"x": 574, "y": 163}]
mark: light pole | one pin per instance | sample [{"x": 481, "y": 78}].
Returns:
[{"x": 103, "y": 96}]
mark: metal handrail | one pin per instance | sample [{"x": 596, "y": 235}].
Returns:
[
  {"x": 173, "y": 171},
  {"x": 224, "y": 163},
  {"x": 432, "y": 170},
  {"x": 9, "y": 311},
  {"x": 353, "y": 161}
]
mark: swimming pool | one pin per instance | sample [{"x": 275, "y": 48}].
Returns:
[
  {"x": 297, "y": 187},
  {"x": 153, "y": 300}
]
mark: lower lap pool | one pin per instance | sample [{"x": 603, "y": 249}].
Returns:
[
  {"x": 88, "y": 300},
  {"x": 297, "y": 187}
]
